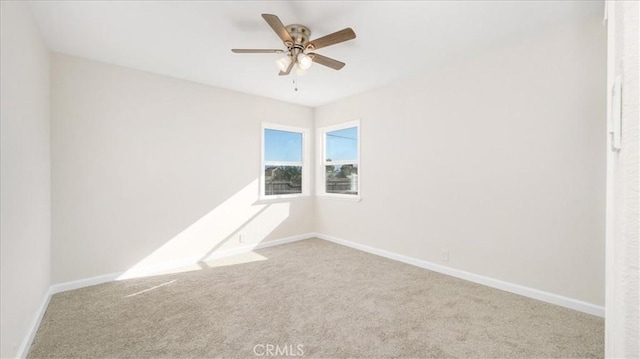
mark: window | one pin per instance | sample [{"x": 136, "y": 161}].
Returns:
[
  {"x": 283, "y": 162},
  {"x": 340, "y": 161}
]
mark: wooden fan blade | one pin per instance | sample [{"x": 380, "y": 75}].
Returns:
[
  {"x": 278, "y": 27},
  {"x": 284, "y": 73},
  {"x": 326, "y": 61},
  {"x": 332, "y": 39},
  {"x": 257, "y": 51}
]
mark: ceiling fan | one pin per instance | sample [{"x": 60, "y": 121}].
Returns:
[{"x": 299, "y": 50}]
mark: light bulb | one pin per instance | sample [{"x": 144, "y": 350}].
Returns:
[
  {"x": 304, "y": 61},
  {"x": 300, "y": 71},
  {"x": 283, "y": 63}
]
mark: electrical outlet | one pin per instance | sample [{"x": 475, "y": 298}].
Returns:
[
  {"x": 444, "y": 255},
  {"x": 241, "y": 238}
]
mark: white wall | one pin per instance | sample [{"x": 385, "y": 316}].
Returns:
[
  {"x": 25, "y": 191},
  {"x": 623, "y": 196},
  {"x": 498, "y": 158},
  {"x": 148, "y": 169}
]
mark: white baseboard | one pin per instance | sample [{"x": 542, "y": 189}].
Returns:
[
  {"x": 476, "y": 278},
  {"x": 86, "y": 282},
  {"x": 191, "y": 262},
  {"x": 33, "y": 328},
  {"x": 259, "y": 245},
  {"x": 172, "y": 265}
]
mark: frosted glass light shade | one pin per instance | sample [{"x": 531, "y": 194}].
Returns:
[
  {"x": 283, "y": 63},
  {"x": 304, "y": 61}
]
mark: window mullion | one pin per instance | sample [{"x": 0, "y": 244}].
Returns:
[
  {"x": 340, "y": 163},
  {"x": 283, "y": 164}
]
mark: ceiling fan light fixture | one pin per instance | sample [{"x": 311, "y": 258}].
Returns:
[
  {"x": 304, "y": 61},
  {"x": 296, "y": 39},
  {"x": 283, "y": 63}
]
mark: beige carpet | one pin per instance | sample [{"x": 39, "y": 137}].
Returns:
[{"x": 313, "y": 298}]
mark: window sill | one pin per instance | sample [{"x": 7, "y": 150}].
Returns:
[
  {"x": 347, "y": 198},
  {"x": 285, "y": 198}
]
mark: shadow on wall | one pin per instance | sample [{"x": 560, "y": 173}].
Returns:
[{"x": 238, "y": 222}]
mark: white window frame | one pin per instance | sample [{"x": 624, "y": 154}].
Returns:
[
  {"x": 321, "y": 187},
  {"x": 304, "y": 164}
]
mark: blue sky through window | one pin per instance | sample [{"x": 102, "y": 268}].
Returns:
[
  {"x": 282, "y": 146},
  {"x": 342, "y": 145}
]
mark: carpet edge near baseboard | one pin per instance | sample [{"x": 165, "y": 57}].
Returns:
[
  {"x": 540, "y": 295},
  {"x": 547, "y": 297},
  {"x": 23, "y": 350}
]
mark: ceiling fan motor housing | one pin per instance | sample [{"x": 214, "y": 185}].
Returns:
[
  {"x": 296, "y": 38},
  {"x": 300, "y": 35}
]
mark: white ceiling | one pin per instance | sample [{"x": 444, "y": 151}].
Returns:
[{"x": 192, "y": 39}]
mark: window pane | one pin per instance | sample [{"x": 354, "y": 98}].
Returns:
[
  {"x": 282, "y": 180},
  {"x": 342, "y": 145},
  {"x": 282, "y": 146},
  {"x": 342, "y": 179}
]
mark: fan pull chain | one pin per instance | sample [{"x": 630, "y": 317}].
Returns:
[{"x": 295, "y": 82}]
